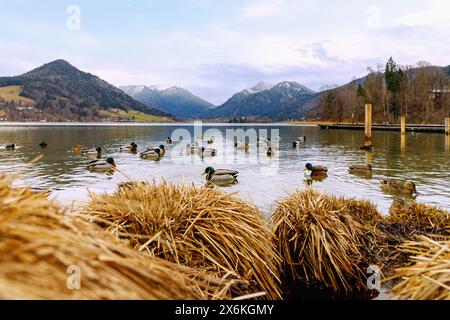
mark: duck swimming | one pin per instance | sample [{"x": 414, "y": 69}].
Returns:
[
  {"x": 102, "y": 165},
  {"x": 192, "y": 148},
  {"x": 153, "y": 153},
  {"x": 360, "y": 168},
  {"x": 368, "y": 148},
  {"x": 207, "y": 152},
  {"x": 77, "y": 148},
  {"x": 132, "y": 147},
  {"x": 43, "y": 144},
  {"x": 398, "y": 186},
  {"x": 210, "y": 141},
  {"x": 316, "y": 170},
  {"x": 92, "y": 152},
  {"x": 269, "y": 152},
  {"x": 223, "y": 176},
  {"x": 10, "y": 147},
  {"x": 169, "y": 140},
  {"x": 242, "y": 146},
  {"x": 299, "y": 141}
]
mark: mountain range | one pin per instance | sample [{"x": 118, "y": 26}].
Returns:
[
  {"x": 277, "y": 102},
  {"x": 174, "y": 100},
  {"x": 282, "y": 101},
  {"x": 59, "y": 91},
  {"x": 62, "y": 92}
]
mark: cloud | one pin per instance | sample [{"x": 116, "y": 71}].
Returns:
[
  {"x": 261, "y": 9},
  {"x": 436, "y": 14}
]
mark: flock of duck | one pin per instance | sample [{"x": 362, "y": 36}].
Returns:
[{"x": 225, "y": 176}]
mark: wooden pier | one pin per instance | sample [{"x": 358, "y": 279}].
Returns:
[{"x": 394, "y": 127}]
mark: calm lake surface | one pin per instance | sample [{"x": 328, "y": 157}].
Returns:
[{"x": 262, "y": 180}]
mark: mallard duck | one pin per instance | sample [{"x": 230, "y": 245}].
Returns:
[
  {"x": 169, "y": 140},
  {"x": 207, "y": 152},
  {"x": 10, "y": 147},
  {"x": 132, "y": 147},
  {"x": 192, "y": 148},
  {"x": 92, "y": 152},
  {"x": 398, "y": 186},
  {"x": 399, "y": 203},
  {"x": 153, "y": 153},
  {"x": 77, "y": 148},
  {"x": 262, "y": 142},
  {"x": 43, "y": 144},
  {"x": 367, "y": 148},
  {"x": 242, "y": 146},
  {"x": 220, "y": 175},
  {"x": 316, "y": 170},
  {"x": 299, "y": 141},
  {"x": 102, "y": 165},
  {"x": 360, "y": 168}
]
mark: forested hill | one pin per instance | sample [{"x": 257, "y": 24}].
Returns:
[
  {"x": 422, "y": 93},
  {"x": 58, "y": 91}
]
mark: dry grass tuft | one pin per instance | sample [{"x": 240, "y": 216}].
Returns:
[
  {"x": 323, "y": 240},
  {"x": 428, "y": 277},
  {"x": 407, "y": 221},
  {"x": 201, "y": 228},
  {"x": 38, "y": 243},
  {"x": 419, "y": 214}
]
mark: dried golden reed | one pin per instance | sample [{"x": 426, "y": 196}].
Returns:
[
  {"x": 39, "y": 245},
  {"x": 323, "y": 239},
  {"x": 419, "y": 214},
  {"x": 201, "y": 228},
  {"x": 428, "y": 275}
]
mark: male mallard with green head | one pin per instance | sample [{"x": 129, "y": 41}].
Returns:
[
  {"x": 220, "y": 175},
  {"x": 316, "y": 170},
  {"x": 153, "y": 153},
  {"x": 92, "y": 152},
  {"x": 102, "y": 165},
  {"x": 132, "y": 147}
]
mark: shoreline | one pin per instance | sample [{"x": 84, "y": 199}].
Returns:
[
  {"x": 426, "y": 128},
  {"x": 144, "y": 124}
]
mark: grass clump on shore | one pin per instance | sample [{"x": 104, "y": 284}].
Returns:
[
  {"x": 428, "y": 277},
  {"x": 201, "y": 228},
  {"x": 323, "y": 240},
  {"x": 419, "y": 214},
  {"x": 407, "y": 221},
  {"x": 45, "y": 254}
]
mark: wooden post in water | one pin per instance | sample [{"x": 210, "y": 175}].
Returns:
[
  {"x": 447, "y": 126},
  {"x": 368, "y": 130},
  {"x": 403, "y": 124},
  {"x": 447, "y": 134},
  {"x": 403, "y": 132}
]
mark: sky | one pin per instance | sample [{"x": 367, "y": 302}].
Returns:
[{"x": 215, "y": 48}]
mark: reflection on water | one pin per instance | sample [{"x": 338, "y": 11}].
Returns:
[{"x": 424, "y": 159}]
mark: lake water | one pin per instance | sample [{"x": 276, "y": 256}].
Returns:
[{"x": 262, "y": 180}]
